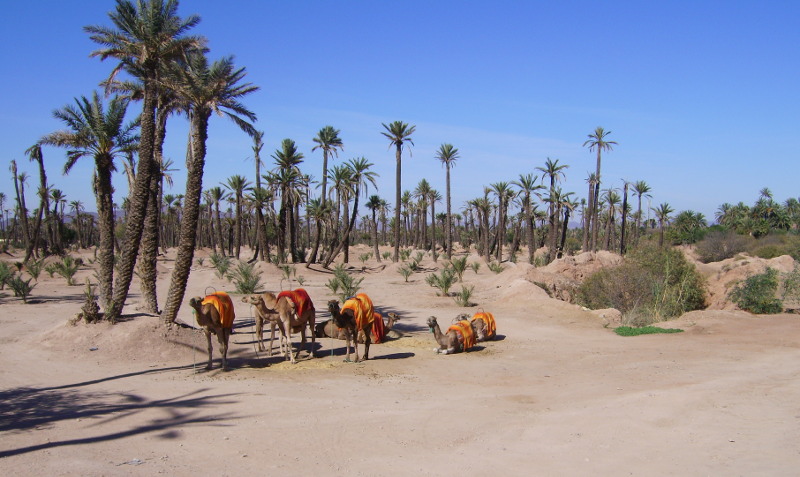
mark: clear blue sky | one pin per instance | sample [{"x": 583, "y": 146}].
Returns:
[{"x": 702, "y": 97}]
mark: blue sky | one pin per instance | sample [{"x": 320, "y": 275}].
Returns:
[{"x": 701, "y": 97}]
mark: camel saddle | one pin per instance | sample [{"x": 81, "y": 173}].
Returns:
[
  {"x": 224, "y": 305},
  {"x": 363, "y": 311},
  {"x": 300, "y": 298},
  {"x": 465, "y": 334}
]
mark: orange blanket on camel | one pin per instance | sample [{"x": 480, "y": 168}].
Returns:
[
  {"x": 362, "y": 308},
  {"x": 464, "y": 331},
  {"x": 488, "y": 318},
  {"x": 300, "y": 298},
  {"x": 222, "y": 302}
]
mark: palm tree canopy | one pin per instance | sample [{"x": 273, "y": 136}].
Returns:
[
  {"x": 328, "y": 140},
  {"x": 448, "y": 155},
  {"x": 399, "y": 133}
]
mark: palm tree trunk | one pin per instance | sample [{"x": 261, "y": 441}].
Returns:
[{"x": 191, "y": 214}]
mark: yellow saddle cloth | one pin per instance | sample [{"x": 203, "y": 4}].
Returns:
[
  {"x": 222, "y": 302},
  {"x": 488, "y": 318},
  {"x": 464, "y": 330},
  {"x": 362, "y": 308}
]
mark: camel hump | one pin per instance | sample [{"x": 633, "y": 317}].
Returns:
[{"x": 465, "y": 333}]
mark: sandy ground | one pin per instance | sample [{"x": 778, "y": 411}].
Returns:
[{"x": 556, "y": 394}]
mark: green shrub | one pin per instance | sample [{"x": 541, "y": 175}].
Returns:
[
  {"x": 645, "y": 330},
  {"x": 22, "y": 288},
  {"x": 768, "y": 251},
  {"x": 246, "y": 278},
  {"x": 343, "y": 284},
  {"x": 475, "y": 266},
  {"x": 35, "y": 267},
  {"x": 364, "y": 257},
  {"x": 404, "y": 254},
  {"x": 67, "y": 268},
  {"x": 386, "y": 255},
  {"x": 6, "y": 274},
  {"x": 496, "y": 267},
  {"x": 443, "y": 281},
  {"x": 651, "y": 284},
  {"x": 221, "y": 263},
  {"x": 757, "y": 293},
  {"x": 405, "y": 271},
  {"x": 459, "y": 265},
  {"x": 462, "y": 298}
]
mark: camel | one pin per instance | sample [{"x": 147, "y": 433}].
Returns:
[
  {"x": 459, "y": 336},
  {"x": 327, "y": 329},
  {"x": 296, "y": 310},
  {"x": 215, "y": 315},
  {"x": 356, "y": 315},
  {"x": 265, "y": 315},
  {"x": 484, "y": 326}
]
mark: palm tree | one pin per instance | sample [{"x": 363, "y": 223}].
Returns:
[
  {"x": 261, "y": 236},
  {"x": 504, "y": 195},
  {"x": 398, "y": 133},
  {"x": 374, "y": 204},
  {"x": 422, "y": 194},
  {"x": 203, "y": 89},
  {"x": 448, "y": 155},
  {"x": 663, "y": 215},
  {"x": 554, "y": 171},
  {"x": 238, "y": 185},
  {"x": 329, "y": 142},
  {"x": 433, "y": 197},
  {"x": 640, "y": 189},
  {"x": 216, "y": 195},
  {"x": 597, "y": 140},
  {"x": 35, "y": 154},
  {"x": 147, "y": 35},
  {"x": 19, "y": 189},
  {"x": 287, "y": 178},
  {"x": 360, "y": 178},
  {"x": 587, "y": 216},
  {"x": 528, "y": 186},
  {"x": 99, "y": 133}
]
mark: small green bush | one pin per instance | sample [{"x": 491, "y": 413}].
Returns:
[
  {"x": 221, "y": 263},
  {"x": 6, "y": 274},
  {"x": 35, "y": 268},
  {"x": 496, "y": 267},
  {"x": 443, "y": 281},
  {"x": 246, "y": 278},
  {"x": 67, "y": 268},
  {"x": 757, "y": 293},
  {"x": 343, "y": 284},
  {"x": 462, "y": 298},
  {"x": 22, "y": 288},
  {"x": 645, "y": 330},
  {"x": 475, "y": 266},
  {"x": 386, "y": 255},
  {"x": 459, "y": 265},
  {"x": 405, "y": 271}
]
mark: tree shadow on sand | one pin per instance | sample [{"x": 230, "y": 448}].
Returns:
[{"x": 40, "y": 408}]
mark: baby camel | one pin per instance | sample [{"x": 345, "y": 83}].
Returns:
[
  {"x": 296, "y": 310},
  {"x": 459, "y": 336},
  {"x": 265, "y": 315},
  {"x": 356, "y": 315},
  {"x": 215, "y": 315}
]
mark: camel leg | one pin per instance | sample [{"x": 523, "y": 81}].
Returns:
[
  {"x": 208, "y": 339},
  {"x": 260, "y": 332},
  {"x": 367, "y": 341},
  {"x": 311, "y": 325},
  {"x": 348, "y": 335},
  {"x": 288, "y": 331},
  {"x": 271, "y": 336},
  {"x": 222, "y": 336}
]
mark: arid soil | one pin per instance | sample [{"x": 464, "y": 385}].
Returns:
[{"x": 558, "y": 393}]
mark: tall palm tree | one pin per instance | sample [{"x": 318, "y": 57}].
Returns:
[
  {"x": 261, "y": 235},
  {"x": 374, "y": 204},
  {"x": 19, "y": 189},
  {"x": 587, "y": 216},
  {"x": 288, "y": 179},
  {"x": 34, "y": 153},
  {"x": 640, "y": 189},
  {"x": 504, "y": 195},
  {"x": 398, "y": 133},
  {"x": 100, "y": 133},
  {"x": 597, "y": 140},
  {"x": 663, "y": 215},
  {"x": 360, "y": 178},
  {"x": 554, "y": 172},
  {"x": 145, "y": 37},
  {"x": 434, "y": 196},
  {"x": 422, "y": 193},
  {"x": 238, "y": 185},
  {"x": 527, "y": 184},
  {"x": 203, "y": 89},
  {"x": 448, "y": 155},
  {"x": 330, "y": 143},
  {"x": 216, "y": 195}
]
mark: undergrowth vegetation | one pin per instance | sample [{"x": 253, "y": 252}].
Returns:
[{"x": 652, "y": 284}]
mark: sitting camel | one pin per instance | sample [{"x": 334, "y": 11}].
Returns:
[
  {"x": 484, "y": 325},
  {"x": 459, "y": 336},
  {"x": 357, "y": 315},
  {"x": 215, "y": 315},
  {"x": 296, "y": 310},
  {"x": 380, "y": 330},
  {"x": 265, "y": 315}
]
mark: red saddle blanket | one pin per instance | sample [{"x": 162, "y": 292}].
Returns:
[
  {"x": 222, "y": 302},
  {"x": 300, "y": 298}
]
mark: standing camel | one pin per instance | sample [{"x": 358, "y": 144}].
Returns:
[
  {"x": 215, "y": 315},
  {"x": 459, "y": 336},
  {"x": 296, "y": 310},
  {"x": 380, "y": 329},
  {"x": 357, "y": 315},
  {"x": 265, "y": 315}
]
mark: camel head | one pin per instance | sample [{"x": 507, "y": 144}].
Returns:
[
  {"x": 196, "y": 302},
  {"x": 432, "y": 324},
  {"x": 333, "y": 305},
  {"x": 251, "y": 299},
  {"x": 392, "y": 319}
]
